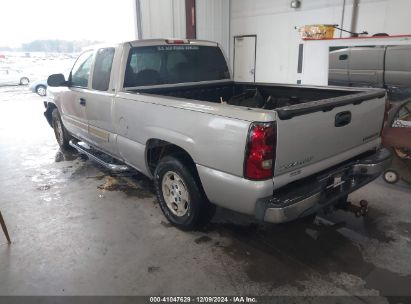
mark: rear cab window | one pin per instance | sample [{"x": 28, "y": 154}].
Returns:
[
  {"x": 102, "y": 69},
  {"x": 170, "y": 64}
]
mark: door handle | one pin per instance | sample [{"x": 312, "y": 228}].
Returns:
[
  {"x": 342, "y": 119},
  {"x": 82, "y": 101}
]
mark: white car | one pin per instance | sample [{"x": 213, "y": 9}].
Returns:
[
  {"x": 13, "y": 77},
  {"x": 39, "y": 87}
]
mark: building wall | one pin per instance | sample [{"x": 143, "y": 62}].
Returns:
[
  {"x": 213, "y": 22},
  {"x": 274, "y": 24},
  {"x": 166, "y": 18},
  {"x": 273, "y": 21},
  {"x": 387, "y": 16},
  {"x": 163, "y": 19}
]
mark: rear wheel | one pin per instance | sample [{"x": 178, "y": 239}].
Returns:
[
  {"x": 180, "y": 194},
  {"x": 62, "y": 136},
  {"x": 24, "y": 81}
]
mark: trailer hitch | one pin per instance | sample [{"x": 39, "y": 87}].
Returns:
[{"x": 361, "y": 210}]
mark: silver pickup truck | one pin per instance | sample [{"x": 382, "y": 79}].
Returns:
[
  {"x": 374, "y": 66},
  {"x": 169, "y": 109}
]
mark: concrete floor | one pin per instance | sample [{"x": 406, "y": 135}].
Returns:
[{"x": 77, "y": 230}]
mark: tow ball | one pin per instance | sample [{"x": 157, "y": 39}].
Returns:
[{"x": 359, "y": 211}]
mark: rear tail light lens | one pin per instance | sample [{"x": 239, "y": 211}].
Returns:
[{"x": 260, "y": 151}]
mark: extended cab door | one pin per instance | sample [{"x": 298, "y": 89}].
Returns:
[
  {"x": 338, "y": 67},
  {"x": 366, "y": 66},
  {"x": 75, "y": 98},
  {"x": 100, "y": 101},
  {"x": 398, "y": 66}
]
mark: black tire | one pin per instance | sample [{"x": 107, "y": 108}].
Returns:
[
  {"x": 198, "y": 210},
  {"x": 391, "y": 176},
  {"x": 62, "y": 136},
  {"x": 41, "y": 90},
  {"x": 24, "y": 81}
]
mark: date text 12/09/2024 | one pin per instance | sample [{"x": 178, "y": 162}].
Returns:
[{"x": 205, "y": 299}]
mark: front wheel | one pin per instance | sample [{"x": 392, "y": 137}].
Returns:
[
  {"x": 62, "y": 136},
  {"x": 24, "y": 81},
  {"x": 180, "y": 194}
]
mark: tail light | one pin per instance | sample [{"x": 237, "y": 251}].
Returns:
[{"x": 260, "y": 151}]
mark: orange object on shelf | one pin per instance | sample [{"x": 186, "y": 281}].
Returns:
[{"x": 317, "y": 31}]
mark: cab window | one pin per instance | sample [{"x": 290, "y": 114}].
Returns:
[
  {"x": 102, "y": 69},
  {"x": 81, "y": 70},
  {"x": 168, "y": 64}
]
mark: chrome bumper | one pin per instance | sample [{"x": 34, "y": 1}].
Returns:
[{"x": 312, "y": 194}]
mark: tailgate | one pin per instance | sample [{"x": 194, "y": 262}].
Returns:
[{"x": 314, "y": 136}]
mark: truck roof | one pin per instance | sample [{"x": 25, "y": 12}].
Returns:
[
  {"x": 166, "y": 41},
  {"x": 157, "y": 41}
]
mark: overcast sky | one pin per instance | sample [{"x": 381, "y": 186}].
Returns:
[{"x": 22, "y": 21}]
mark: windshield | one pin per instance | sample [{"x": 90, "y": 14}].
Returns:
[{"x": 167, "y": 64}]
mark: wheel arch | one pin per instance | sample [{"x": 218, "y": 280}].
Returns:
[
  {"x": 49, "y": 110},
  {"x": 24, "y": 77},
  {"x": 156, "y": 149}
]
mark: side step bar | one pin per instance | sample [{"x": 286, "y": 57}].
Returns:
[{"x": 99, "y": 157}]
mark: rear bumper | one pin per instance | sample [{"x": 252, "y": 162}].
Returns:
[{"x": 312, "y": 194}]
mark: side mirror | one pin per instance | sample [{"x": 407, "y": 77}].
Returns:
[{"x": 56, "y": 80}]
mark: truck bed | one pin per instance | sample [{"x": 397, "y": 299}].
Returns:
[
  {"x": 214, "y": 92},
  {"x": 289, "y": 100},
  {"x": 317, "y": 126}
]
